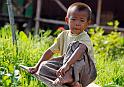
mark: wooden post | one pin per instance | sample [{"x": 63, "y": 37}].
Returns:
[
  {"x": 37, "y": 16},
  {"x": 12, "y": 22},
  {"x": 11, "y": 19},
  {"x": 99, "y": 5},
  {"x": 61, "y": 5},
  {"x": 52, "y": 21}
]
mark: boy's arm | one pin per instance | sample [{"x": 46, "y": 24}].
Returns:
[
  {"x": 46, "y": 56},
  {"x": 76, "y": 55}
]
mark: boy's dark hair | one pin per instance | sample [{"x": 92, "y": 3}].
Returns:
[{"x": 80, "y": 7}]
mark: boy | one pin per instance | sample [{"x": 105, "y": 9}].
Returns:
[{"x": 76, "y": 67}]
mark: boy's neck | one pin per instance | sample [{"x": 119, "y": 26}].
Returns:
[{"x": 75, "y": 33}]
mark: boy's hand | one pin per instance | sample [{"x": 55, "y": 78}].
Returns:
[
  {"x": 62, "y": 70},
  {"x": 32, "y": 70}
]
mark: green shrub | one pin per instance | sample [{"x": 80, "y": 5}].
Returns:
[{"x": 109, "y": 54}]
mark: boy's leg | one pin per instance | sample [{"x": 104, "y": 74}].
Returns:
[
  {"x": 68, "y": 80},
  {"x": 64, "y": 80},
  {"x": 75, "y": 84}
]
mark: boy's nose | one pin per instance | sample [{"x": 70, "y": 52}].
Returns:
[{"x": 78, "y": 25}]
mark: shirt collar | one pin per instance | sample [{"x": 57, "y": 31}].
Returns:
[{"x": 75, "y": 35}]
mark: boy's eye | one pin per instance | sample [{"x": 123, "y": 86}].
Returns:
[
  {"x": 73, "y": 19},
  {"x": 82, "y": 20}
]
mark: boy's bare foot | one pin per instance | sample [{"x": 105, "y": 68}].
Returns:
[
  {"x": 62, "y": 80},
  {"x": 59, "y": 80},
  {"x": 76, "y": 84}
]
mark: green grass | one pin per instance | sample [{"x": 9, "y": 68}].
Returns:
[{"x": 109, "y": 55}]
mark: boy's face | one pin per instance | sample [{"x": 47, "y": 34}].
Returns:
[{"x": 77, "y": 21}]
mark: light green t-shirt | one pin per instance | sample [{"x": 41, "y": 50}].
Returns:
[{"x": 65, "y": 38}]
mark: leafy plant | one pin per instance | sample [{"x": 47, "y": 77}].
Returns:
[{"x": 109, "y": 54}]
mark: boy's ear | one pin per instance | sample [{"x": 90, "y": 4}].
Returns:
[{"x": 66, "y": 20}]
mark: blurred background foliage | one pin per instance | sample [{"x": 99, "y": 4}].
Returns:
[{"x": 108, "y": 50}]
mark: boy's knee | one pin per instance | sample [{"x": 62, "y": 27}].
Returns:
[{"x": 44, "y": 62}]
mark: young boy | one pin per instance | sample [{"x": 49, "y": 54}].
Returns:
[{"x": 75, "y": 67}]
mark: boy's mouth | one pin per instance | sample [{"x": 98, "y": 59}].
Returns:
[{"x": 76, "y": 28}]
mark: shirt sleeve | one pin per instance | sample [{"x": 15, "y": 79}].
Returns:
[
  {"x": 55, "y": 48},
  {"x": 91, "y": 53}
]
